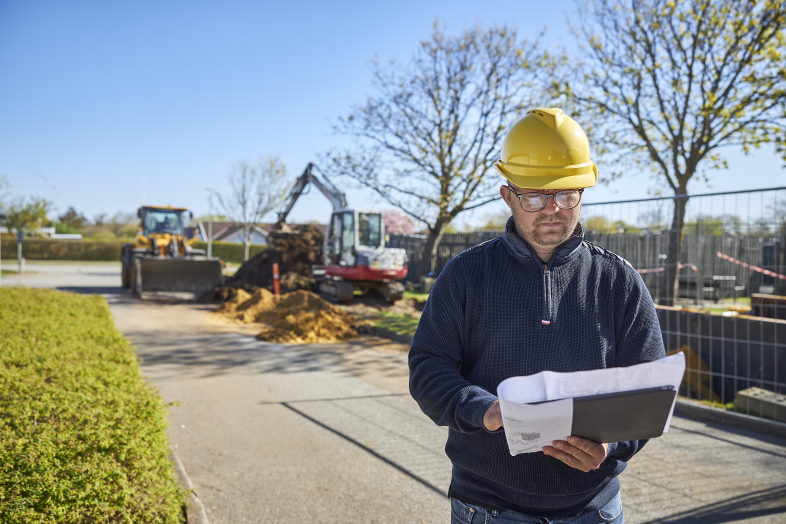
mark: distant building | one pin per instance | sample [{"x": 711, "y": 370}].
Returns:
[{"x": 231, "y": 232}]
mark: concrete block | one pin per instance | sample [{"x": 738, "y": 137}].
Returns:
[{"x": 761, "y": 402}]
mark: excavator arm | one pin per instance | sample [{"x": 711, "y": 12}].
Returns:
[{"x": 337, "y": 198}]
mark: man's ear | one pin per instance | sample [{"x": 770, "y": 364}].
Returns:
[{"x": 505, "y": 194}]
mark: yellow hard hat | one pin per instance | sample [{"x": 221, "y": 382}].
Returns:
[{"x": 547, "y": 149}]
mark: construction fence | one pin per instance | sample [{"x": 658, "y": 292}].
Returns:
[{"x": 729, "y": 311}]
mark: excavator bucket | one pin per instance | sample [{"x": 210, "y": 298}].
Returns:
[{"x": 177, "y": 277}]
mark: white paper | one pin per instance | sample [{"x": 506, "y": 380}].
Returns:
[{"x": 529, "y": 427}]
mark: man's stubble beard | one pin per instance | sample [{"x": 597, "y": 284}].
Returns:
[{"x": 534, "y": 236}]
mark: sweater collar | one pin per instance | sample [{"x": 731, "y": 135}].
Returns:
[{"x": 522, "y": 250}]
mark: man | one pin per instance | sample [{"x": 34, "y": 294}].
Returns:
[{"x": 538, "y": 298}]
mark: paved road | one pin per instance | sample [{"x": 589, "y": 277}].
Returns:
[{"x": 304, "y": 433}]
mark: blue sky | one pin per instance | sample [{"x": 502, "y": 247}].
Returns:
[{"x": 106, "y": 106}]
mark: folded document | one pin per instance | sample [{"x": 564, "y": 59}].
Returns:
[{"x": 604, "y": 405}]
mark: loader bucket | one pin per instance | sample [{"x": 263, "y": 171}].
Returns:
[{"x": 179, "y": 276}]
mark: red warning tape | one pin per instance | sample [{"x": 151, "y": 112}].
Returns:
[{"x": 749, "y": 266}]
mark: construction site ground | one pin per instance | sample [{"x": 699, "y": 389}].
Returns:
[{"x": 327, "y": 432}]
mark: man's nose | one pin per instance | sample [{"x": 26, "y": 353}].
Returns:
[{"x": 551, "y": 205}]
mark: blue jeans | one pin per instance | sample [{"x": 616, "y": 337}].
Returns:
[{"x": 461, "y": 513}]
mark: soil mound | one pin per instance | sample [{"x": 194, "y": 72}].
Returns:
[
  {"x": 299, "y": 317},
  {"x": 296, "y": 253}
]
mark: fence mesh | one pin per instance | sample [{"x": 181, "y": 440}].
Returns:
[{"x": 727, "y": 312}]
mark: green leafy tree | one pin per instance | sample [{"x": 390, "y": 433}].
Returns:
[
  {"x": 72, "y": 221},
  {"x": 24, "y": 215},
  {"x": 5, "y": 189},
  {"x": 426, "y": 140},
  {"x": 601, "y": 224},
  {"x": 671, "y": 84}
]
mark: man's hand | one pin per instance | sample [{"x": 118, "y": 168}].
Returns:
[
  {"x": 492, "y": 418},
  {"x": 582, "y": 454}
]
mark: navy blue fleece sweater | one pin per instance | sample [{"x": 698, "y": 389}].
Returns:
[{"x": 498, "y": 311}]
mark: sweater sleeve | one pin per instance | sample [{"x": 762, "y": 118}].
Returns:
[
  {"x": 436, "y": 356},
  {"x": 639, "y": 339}
]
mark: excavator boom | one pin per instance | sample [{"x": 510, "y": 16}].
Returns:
[{"x": 336, "y": 198}]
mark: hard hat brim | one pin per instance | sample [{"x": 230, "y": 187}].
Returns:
[{"x": 536, "y": 177}]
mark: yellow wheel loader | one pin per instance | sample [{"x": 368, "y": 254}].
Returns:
[{"x": 162, "y": 262}]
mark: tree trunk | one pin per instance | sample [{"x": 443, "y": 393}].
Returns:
[
  {"x": 428, "y": 263},
  {"x": 246, "y": 242},
  {"x": 674, "y": 251}
]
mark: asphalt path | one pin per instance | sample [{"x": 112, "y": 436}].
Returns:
[{"x": 328, "y": 433}]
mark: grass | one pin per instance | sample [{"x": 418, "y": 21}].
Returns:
[
  {"x": 729, "y": 406},
  {"x": 420, "y": 297},
  {"x": 398, "y": 323},
  {"x": 82, "y": 435}
]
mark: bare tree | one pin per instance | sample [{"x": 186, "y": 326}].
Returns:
[
  {"x": 670, "y": 84},
  {"x": 428, "y": 137},
  {"x": 254, "y": 191}
]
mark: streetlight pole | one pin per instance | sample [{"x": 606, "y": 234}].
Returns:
[{"x": 209, "y": 222}]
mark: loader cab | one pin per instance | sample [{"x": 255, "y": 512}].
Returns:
[
  {"x": 351, "y": 231},
  {"x": 162, "y": 220}
]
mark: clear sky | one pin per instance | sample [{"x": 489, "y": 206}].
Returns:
[{"x": 106, "y": 106}]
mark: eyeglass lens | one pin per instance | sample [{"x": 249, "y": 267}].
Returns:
[{"x": 536, "y": 201}]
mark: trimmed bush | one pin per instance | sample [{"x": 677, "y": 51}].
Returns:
[
  {"x": 82, "y": 436},
  {"x": 47, "y": 249}
]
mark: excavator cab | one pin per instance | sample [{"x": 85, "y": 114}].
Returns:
[
  {"x": 355, "y": 251},
  {"x": 163, "y": 220},
  {"x": 350, "y": 232}
]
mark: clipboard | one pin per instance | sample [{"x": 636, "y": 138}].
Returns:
[{"x": 626, "y": 415}]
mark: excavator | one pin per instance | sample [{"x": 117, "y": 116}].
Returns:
[
  {"x": 355, "y": 255},
  {"x": 162, "y": 262}
]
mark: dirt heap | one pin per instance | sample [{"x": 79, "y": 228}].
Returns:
[
  {"x": 300, "y": 316},
  {"x": 296, "y": 253}
]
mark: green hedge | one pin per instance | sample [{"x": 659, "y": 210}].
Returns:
[
  {"x": 82, "y": 436},
  {"x": 46, "y": 249}
]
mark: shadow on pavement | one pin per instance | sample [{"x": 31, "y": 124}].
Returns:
[
  {"x": 95, "y": 290},
  {"x": 779, "y": 441},
  {"x": 215, "y": 354},
  {"x": 736, "y": 509}
]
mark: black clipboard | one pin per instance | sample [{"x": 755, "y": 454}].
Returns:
[{"x": 625, "y": 415}]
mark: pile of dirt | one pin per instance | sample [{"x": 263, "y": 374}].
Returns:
[
  {"x": 299, "y": 316},
  {"x": 296, "y": 252}
]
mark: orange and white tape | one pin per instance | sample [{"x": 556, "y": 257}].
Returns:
[{"x": 750, "y": 266}]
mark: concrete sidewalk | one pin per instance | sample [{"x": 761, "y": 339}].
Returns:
[{"x": 288, "y": 427}]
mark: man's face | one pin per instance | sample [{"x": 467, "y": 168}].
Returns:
[{"x": 544, "y": 229}]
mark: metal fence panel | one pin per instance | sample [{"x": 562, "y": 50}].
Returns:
[{"x": 729, "y": 315}]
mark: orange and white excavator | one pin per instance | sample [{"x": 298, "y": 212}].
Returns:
[{"x": 355, "y": 254}]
